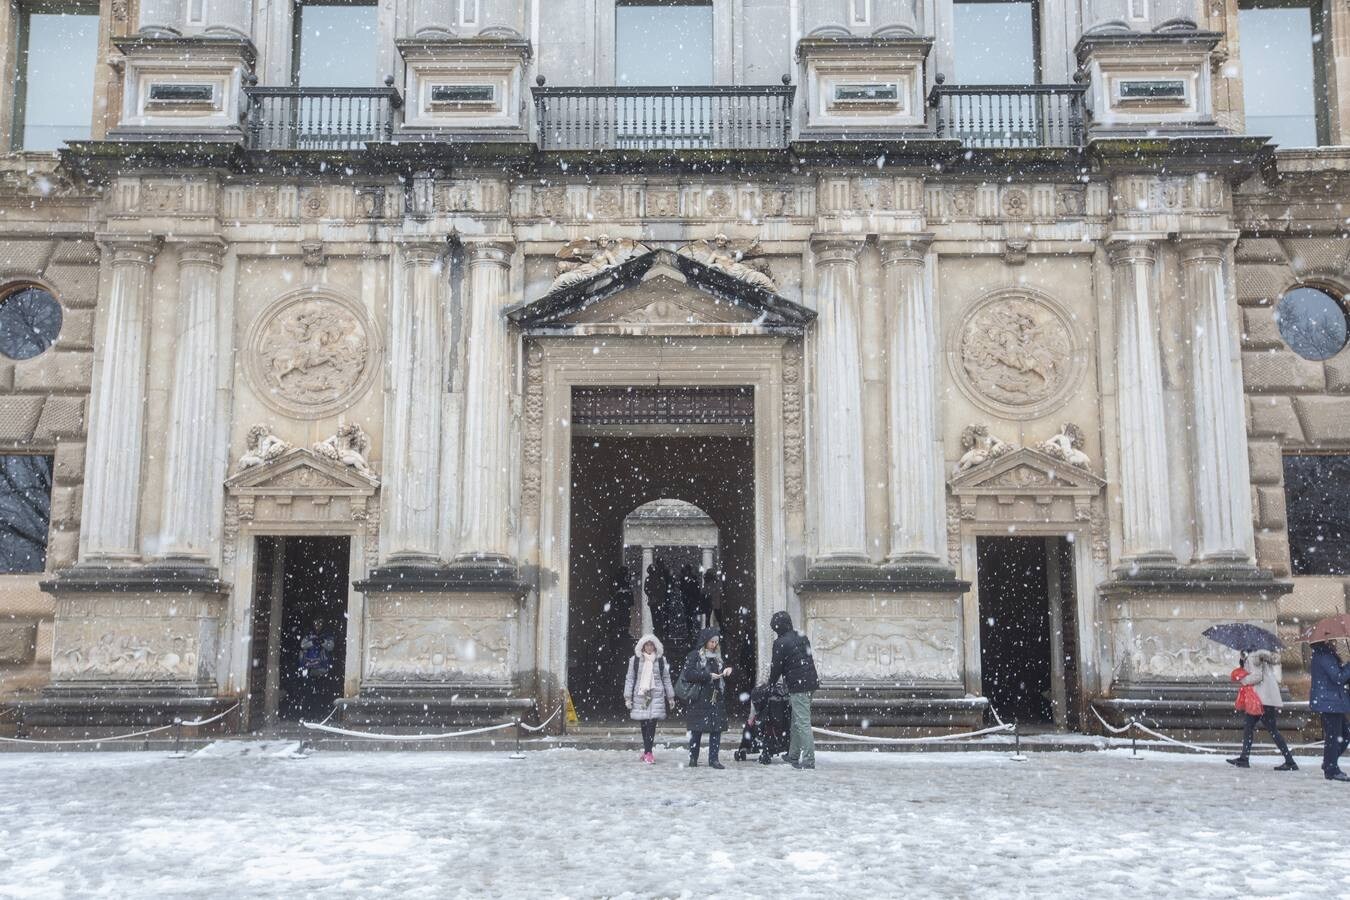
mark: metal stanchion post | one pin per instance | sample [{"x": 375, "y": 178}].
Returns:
[
  {"x": 517, "y": 754},
  {"x": 177, "y": 739},
  {"x": 1017, "y": 743},
  {"x": 1134, "y": 740}
]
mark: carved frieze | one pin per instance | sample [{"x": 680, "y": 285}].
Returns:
[
  {"x": 1016, "y": 353},
  {"x": 310, "y": 354}
]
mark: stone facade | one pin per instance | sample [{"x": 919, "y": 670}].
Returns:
[{"x": 945, "y": 344}]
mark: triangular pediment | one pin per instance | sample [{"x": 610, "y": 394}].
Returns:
[
  {"x": 300, "y": 471},
  {"x": 660, "y": 292},
  {"x": 1026, "y": 471}
]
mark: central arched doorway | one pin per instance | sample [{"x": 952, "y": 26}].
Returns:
[{"x": 682, "y": 492}]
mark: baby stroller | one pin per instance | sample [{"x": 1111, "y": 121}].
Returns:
[{"x": 766, "y": 730}]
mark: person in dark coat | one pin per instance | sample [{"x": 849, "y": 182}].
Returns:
[
  {"x": 793, "y": 662},
  {"x": 1328, "y": 697},
  {"x": 655, "y": 587},
  {"x": 707, "y": 713},
  {"x": 712, "y": 599},
  {"x": 691, "y": 596}
]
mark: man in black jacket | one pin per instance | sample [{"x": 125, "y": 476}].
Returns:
[{"x": 793, "y": 663}]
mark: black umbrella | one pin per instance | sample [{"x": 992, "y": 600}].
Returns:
[{"x": 1243, "y": 636}]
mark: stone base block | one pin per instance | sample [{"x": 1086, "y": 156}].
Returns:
[
  {"x": 434, "y": 707},
  {"x": 886, "y": 708},
  {"x": 92, "y": 709},
  {"x": 1184, "y": 711}
]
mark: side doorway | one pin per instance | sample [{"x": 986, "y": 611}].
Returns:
[
  {"x": 1029, "y": 660},
  {"x": 297, "y": 655}
]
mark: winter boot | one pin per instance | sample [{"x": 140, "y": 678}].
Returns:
[
  {"x": 693, "y": 762},
  {"x": 1337, "y": 776},
  {"x": 1240, "y": 762},
  {"x": 714, "y": 764},
  {"x": 649, "y": 759},
  {"x": 1288, "y": 765}
]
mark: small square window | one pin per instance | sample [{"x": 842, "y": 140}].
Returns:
[{"x": 25, "y": 512}]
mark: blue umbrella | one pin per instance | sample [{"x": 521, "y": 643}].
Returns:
[{"x": 1243, "y": 636}]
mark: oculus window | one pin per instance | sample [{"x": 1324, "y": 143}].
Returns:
[
  {"x": 1317, "y": 502},
  {"x": 335, "y": 45},
  {"x": 54, "y": 75},
  {"x": 1312, "y": 322},
  {"x": 1282, "y": 70},
  {"x": 30, "y": 320},
  {"x": 663, "y": 43},
  {"x": 25, "y": 512},
  {"x": 995, "y": 42}
]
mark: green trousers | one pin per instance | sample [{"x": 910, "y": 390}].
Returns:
[{"x": 801, "y": 747}]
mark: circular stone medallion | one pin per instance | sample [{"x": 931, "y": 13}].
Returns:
[
  {"x": 312, "y": 354},
  {"x": 1016, "y": 354}
]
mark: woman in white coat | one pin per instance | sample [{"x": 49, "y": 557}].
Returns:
[
  {"x": 647, "y": 691},
  {"x": 1263, "y": 676}
]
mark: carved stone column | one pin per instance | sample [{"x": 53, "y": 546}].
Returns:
[
  {"x": 1221, "y": 478},
  {"x": 188, "y": 514},
  {"x": 112, "y": 480},
  {"x": 841, "y": 532},
  {"x": 413, "y": 430},
  {"x": 1144, "y": 477},
  {"x": 484, "y": 481},
  {"x": 917, "y": 486}
]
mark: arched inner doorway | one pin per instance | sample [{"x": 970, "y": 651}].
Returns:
[{"x": 628, "y": 483}]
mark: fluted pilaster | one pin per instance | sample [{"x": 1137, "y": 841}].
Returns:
[
  {"x": 837, "y": 429},
  {"x": 112, "y": 483},
  {"x": 1223, "y": 512},
  {"x": 187, "y": 517},
  {"x": 917, "y": 487},
  {"x": 1144, "y": 477}
]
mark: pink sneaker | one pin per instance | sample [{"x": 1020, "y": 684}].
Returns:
[{"x": 649, "y": 759}]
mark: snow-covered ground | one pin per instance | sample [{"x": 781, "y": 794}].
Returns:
[{"x": 567, "y": 823}]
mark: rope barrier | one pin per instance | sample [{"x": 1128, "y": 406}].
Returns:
[
  {"x": 1162, "y": 737},
  {"x": 197, "y": 723},
  {"x": 1135, "y": 724},
  {"x": 1107, "y": 726},
  {"x": 544, "y": 724},
  {"x": 101, "y": 740},
  {"x": 937, "y": 738},
  {"x": 377, "y": 736}
]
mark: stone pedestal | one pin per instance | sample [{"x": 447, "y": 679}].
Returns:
[
  {"x": 132, "y": 646},
  {"x": 441, "y": 648},
  {"x": 888, "y": 648},
  {"x": 1165, "y": 668}
]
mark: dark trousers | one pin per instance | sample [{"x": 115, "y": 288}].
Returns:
[
  {"x": 1268, "y": 720},
  {"x": 648, "y": 734},
  {"x": 1335, "y": 738},
  {"x": 714, "y": 744}
]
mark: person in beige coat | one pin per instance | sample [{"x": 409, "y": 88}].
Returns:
[{"x": 1263, "y": 676}]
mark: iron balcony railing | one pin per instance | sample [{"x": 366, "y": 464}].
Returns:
[
  {"x": 664, "y": 118},
  {"x": 1004, "y": 116},
  {"x": 316, "y": 118}
]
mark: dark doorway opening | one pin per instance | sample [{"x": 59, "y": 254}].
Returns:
[
  {"x": 298, "y": 651},
  {"x": 613, "y": 474},
  {"x": 1028, "y": 629}
]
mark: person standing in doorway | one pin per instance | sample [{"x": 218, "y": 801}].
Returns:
[
  {"x": 691, "y": 597},
  {"x": 705, "y": 670},
  {"x": 712, "y": 599},
  {"x": 1259, "y": 671},
  {"x": 1329, "y": 699},
  {"x": 647, "y": 691},
  {"x": 655, "y": 588},
  {"x": 792, "y": 662}
]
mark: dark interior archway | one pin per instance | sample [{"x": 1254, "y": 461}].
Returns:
[{"x": 612, "y": 475}]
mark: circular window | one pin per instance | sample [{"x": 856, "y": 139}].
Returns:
[
  {"x": 1312, "y": 323},
  {"x": 30, "y": 320}
]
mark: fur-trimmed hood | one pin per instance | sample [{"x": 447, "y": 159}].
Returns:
[{"x": 660, "y": 650}]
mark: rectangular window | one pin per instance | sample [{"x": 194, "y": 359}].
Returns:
[
  {"x": 995, "y": 42},
  {"x": 335, "y": 45},
  {"x": 25, "y": 512},
  {"x": 1283, "y": 70},
  {"x": 1317, "y": 509},
  {"x": 663, "y": 42},
  {"x": 54, "y": 78}
]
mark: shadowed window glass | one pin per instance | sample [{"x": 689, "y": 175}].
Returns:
[
  {"x": 1312, "y": 323},
  {"x": 1280, "y": 55},
  {"x": 25, "y": 511},
  {"x": 30, "y": 320},
  {"x": 1317, "y": 508},
  {"x": 54, "y": 83}
]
